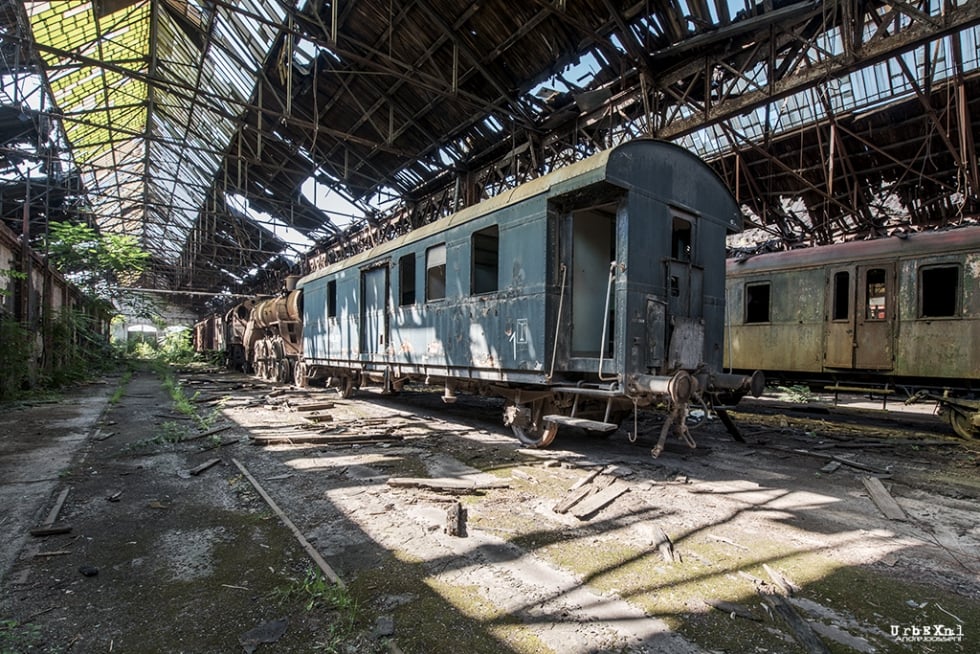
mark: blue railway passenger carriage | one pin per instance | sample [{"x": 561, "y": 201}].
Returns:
[{"x": 577, "y": 297}]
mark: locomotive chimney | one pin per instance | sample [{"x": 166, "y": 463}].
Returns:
[{"x": 291, "y": 282}]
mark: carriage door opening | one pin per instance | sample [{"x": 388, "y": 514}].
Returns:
[
  {"x": 374, "y": 312},
  {"x": 684, "y": 296},
  {"x": 839, "y": 333},
  {"x": 874, "y": 311},
  {"x": 593, "y": 250}
]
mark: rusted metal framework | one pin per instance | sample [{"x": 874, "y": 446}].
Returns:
[{"x": 202, "y": 125}]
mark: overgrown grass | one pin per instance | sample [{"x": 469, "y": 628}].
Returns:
[
  {"x": 317, "y": 593},
  {"x": 16, "y": 637},
  {"x": 121, "y": 389}
]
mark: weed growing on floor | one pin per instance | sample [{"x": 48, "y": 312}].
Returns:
[
  {"x": 799, "y": 394},
  {"x": 16, "y": 637},
  {"x": 317, "y": 593},
  {"x": 121, "y": 389}
]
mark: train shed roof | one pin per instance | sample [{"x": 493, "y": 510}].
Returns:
[{"x": 235, "y": 138}]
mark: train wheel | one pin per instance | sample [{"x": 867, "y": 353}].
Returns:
[
  {"x": 529, "y": 425},
  {"x": 961, "y": 424},
  {"x": 300, "y": 378},
  {"x": 284, "y": 375}
]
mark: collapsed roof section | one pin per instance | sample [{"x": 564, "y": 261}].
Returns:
[{"x": 212, "y": 129}]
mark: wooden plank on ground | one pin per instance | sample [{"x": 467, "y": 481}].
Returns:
[
  {"x": 204, "y": 466},
  {"x": 56, "y": 509},
  {"x": 788, "y": 587},
  {"x": 210, "y": 432},
  {"x": 733, "y": 609},
  {"x": 802, "y": 631},
  {"x": 310, "y": 550},
  {"x": 320, "y": 406},
  {"x": 593, "y": 503},
  {"x": 50, "y": 530},
  {"x": 455, "y": 519},
  {"x": 445, "y": 483},
  {"x": 883, "y": 499},
  {"x": 325, "y": 439},
  {"x": 586, "y": 479},
  {"x": 572, "y": 498}
]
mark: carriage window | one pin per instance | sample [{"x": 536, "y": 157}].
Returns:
[
  {"x": 757, "y": 302},
  {"x": 875, "y": 294},
  {"x": 680, "y": 241},
  {"x": 842, "y": 296},
  {"x": 938, "y": 290},
  {"x": 406, "y": 280},
  {"x": 332, "y": 298},
  {"x": 485, "y": 257},
  {"x": 435, "y": 273}
]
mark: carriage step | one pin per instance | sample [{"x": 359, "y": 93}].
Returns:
[{"x": 591, "y": 425}]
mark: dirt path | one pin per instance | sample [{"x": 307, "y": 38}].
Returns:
[{"x": 723, "y": 548}]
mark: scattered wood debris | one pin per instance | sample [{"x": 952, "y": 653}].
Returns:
[
  {"x": 800, "y": 628},
  {"x": 210, "y": 432},
  {"x": 325, "y": 439},
  {"x": 310, "y": 550},
  {"x": 455, "y": 519},
  {"x": 446, "y": 484},
  {"x": 572, "y": 498},
  {"x": 831, "y": 467},
  {"x": 586, "y": 479},
  {"x": 734, "y": 610},
  {"x": 48, "y": 527},
  {"x": 520, "y": 474},
  {"x": 664, "y": 545},
  {"x": 727, "y": 541},
  {"x": 187, "y": 474},
  {"x": 584, "y": 509},
  {"x": 883, "y": 499},
  {"x": 787, "y": 587},
  {"x": 827, "y": 457},
  {"x": 318, "y": 406}
]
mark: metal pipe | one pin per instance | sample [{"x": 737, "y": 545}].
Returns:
[
  {"x": 605, "y": 320},
  {"x": 680, "y": 386},
  {"x": 754, "y": 383}
]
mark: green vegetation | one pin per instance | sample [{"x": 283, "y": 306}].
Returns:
[
  {"x": 316, "y": 593},
  {"x": 121, "y": 389},
  {"x": 16, "y": 637},
  {"x": 95, "y": 262},
  {"x": 72, "y": 350},
  {"x": 799, "y": 394},
  {"x": 174, "y": 348}
]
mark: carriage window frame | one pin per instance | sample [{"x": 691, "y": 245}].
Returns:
[
  {"x": 877, "y": 303},
  {"x": 435, "y": 273},
  {"x": 681, "y": 238},
  {"x": 485, "y": 261},
  {"x": 841, "y": 300},
  {"x": 332, "y": 298},
  {"x": 936, "y": 293},
  {"x": 761, "y": 311},
  {"x": 406, "y": 280}
]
